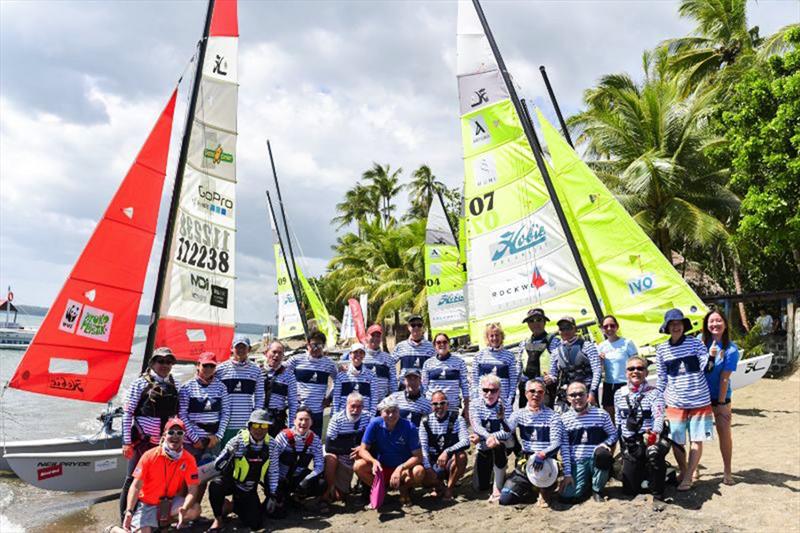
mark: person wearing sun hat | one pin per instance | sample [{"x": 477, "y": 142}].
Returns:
[
  {"x": 681, "y": 366},
  {"x": 534, "y": 347}
]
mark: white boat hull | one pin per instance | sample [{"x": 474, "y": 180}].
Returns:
[
  {"x": 748, "y": 371},
  {"x": 16, "y": 338},
  {"x": 45, "y": 446},
  {"x": 71, "y": 471}
]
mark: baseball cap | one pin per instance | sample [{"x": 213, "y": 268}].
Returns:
[
  {"x": 241, "y": 339},
  {"x": 356, "y": 346},
  {"x": 414, "y": 318},
  {"x": 163, "y": 353},
  {"x": 413, "y": 372},
  {"x": 567, "y": 319},
  {"x": 174, "y": 421},
  {"x": 535, "y": 313},
  {"x": 207, "y": 358},
  {"x": 374, "y": 328}
]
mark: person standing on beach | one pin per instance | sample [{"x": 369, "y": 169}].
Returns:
[
  {"x": 412, "y": 403},
  {"x": 539, "y": 342},
  {"x": 381, "y": 364},
  {"x": 576, "y": 359},
  {"x": 312, "y": 371},
  {"x": 444, "y": 441},
  {"x": 682, "y": 362},
  {"x": 614, "y": 352},
  {"x": 487, "y": 416},
  {"x": 447, "y": 373},
  {"x": 151, "y": 401},
  {"x": 496, "y": 360},
  {"x": 354, "y": 377},
  {"x": 280, "y": 389},
  {"x": 414, "y": 351},
  {"x": 245, "y": 384},
  {"x": 725, "y": 355}
]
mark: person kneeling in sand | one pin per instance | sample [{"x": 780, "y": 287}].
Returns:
[
  {"x": 492, "y": 437},
  {"x": 345, "y": 431},
  {"x": 164, "y": 485},
  {"x": 444, "y": 440},
  {"x": 388, "y": 454}
]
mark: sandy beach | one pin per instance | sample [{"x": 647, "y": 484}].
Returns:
[{"x": 766, "y": 496}]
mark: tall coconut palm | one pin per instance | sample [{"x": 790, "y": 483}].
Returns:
[
  {"x": 386, "y": 183},
  {"x": 360, "y": 203},
  {"x": 650, "y": 146},
  {"x": 421, "y": 191}
]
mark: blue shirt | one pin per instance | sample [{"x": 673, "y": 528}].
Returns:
[
  {"x": 616, "y": 355},
  {"x": 393, "y": 448},
  {"x": 726, "y": 360}
]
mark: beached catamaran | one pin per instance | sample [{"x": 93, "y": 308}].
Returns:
[{"x": 82, "y": 348}]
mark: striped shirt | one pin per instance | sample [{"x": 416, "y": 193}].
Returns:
[
  {"x": 352, "y": 380},
  {"x": 280, "y": 391},
  {"x": 438, "y": 431},
  {"x": 236, "y": 449},
  {"x": 345, "y": 434},
  {"x": 385, "y": 370},
  {"x": 590, "y": 350},
  {"x": 488, "y": 420},
  {"x": 412, "y": 354},
  {"x": 150, "y": 425},
  {"x": 681, "y": 373},
  {"x": 650, "y": 404},
  {"x": 245, "y": 384},
  {"x": 279, "y": 469},
  {"x": 503, "y": 364},
  {"x": 449, "y": 376},
  {"x": 312, "y": 375},
  {"x": 583, "y": 433},
  {"x": 204, "y": 406},
  {"x": 412, "y": 409},
  {"x": 539, "y": 431}
]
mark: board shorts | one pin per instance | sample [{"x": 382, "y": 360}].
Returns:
[
  {"x": 698, "y": 422},
  {"x": 146, "y": 515}
]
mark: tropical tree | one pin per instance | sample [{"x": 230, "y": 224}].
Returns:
[
  {"x": 387, "y": 185},
  {"x": 421, "y": 191},
  {"x": 650, "y": 146},
  {"x": 360, "y": 203}
]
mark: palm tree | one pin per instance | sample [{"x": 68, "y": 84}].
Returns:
[
  {"x": 386, "y": 183},
  {"x": 421, "y": 190},
  {"x": 650, "y": 146},
  {"x": 359, "y": 204}
]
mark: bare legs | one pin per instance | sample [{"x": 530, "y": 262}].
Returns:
[
  {"x": 722, "y": 419},
  {"x": 687, "y": 471}
]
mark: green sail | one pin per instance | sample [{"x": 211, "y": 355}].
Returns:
[
  {"x": 324, "y": 322},
  {"x": 289, "y": 322},
  {"x": 634, "y": 280}
]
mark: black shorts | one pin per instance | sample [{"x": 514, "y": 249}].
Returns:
[{"x": 608, "y": 393}]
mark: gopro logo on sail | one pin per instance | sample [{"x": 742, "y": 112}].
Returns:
[
  {"x": 526, "y": 237},
  {"x": 642, "y": 284}
]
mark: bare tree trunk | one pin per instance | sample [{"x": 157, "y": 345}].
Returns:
[
  {"x": 796, "y": 255},
  {"x": 737, "y": 283}
]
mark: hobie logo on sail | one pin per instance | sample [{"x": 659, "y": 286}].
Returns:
[
  {"x": 641, "y": 284},
  {"x": 527, "y": 236},
  {"x": 450, "y": 299}
]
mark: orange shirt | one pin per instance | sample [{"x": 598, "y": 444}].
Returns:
[{"x": 162, "y": 476}]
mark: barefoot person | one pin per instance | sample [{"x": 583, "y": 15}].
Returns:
[
  {"x": 681, "y": 364},
  {"x": 444, "y": 440},
  {"x": 388, "y": 454},
  {"x": 487, "y": 416},
  {"x": 725, "y": 355},
  {"x": 540, "y": 435},
  {"x": 345, "y": 431}
]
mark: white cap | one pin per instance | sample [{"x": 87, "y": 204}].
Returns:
[{"x": 357, "y": 346}]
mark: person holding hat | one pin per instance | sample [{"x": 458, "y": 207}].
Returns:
[
  {"x": 245, "y": 384},
  {"x": 280, "y": 389},
  {"x": 414, "y": 351},
  {"x": 411, "y": 401},
  {"x": 345, "y": 431},
  {"x": 312, "y": 371},
  {"x": 494, "y": 359},
  {"x": 540, "y": 433},
  {"x": 165, "y": 485},
  {"x": 444, "y": 440},
  {"x": 244, "y": 464},
  {"x": 150, "y": 402},
  {"x": 354, "y": 377},
  {"x": 388, "y": 453},
  {"x": 205, "y": 407},
  {"x": 575, "y": 359},
  {"x": 681, "y": 363},
  {"x": 586, "y": 448},
  {"x": 447, "y": 373},
  {"x": 534, "y": 347},
  {"x": 381, "y": 364}
]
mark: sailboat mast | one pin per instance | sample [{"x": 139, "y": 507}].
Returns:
[
  {"x": 176, "y": 188},
  {"x": 561, "y": 120},
  {"x": 292, "y": 281},
  {"x": 288, "y": 237},
  {"x": 533, "y": 140}
]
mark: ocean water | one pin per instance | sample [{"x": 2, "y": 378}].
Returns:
[{"x": 25, "y": 416}]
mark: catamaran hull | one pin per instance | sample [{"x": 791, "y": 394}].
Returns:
[
  {"x": 48, "y": 446},
  {"x": 71, "y": 471},
  {"x": 748, "y": 371}
]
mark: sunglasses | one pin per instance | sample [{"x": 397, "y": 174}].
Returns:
[
  {"x": 161, "y": 361},
  {"x": 566, "y": 328},
  {"x": 609, "y": 326},
  {"x": 437, "y": 404},
  {"x": 576, "y": 394},
  {"x": 175, "y": 433},
  {"x": 416, "y": 325},
  {"x": 255, "y": 425},
  {"x": 315, "y": 346},
  {"x": 537, "y": 319},
  {"x": 442, "y": 343},
  {"x": 490, "y": 391},
  {"x": 635, "y": 368},
  {"x": 209, "y": 365}
]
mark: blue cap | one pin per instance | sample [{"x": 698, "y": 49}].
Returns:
[
  {"x": 675, "y": 314},
  {"x": 241, "y": 339}
]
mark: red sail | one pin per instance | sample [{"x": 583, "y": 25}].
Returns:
[
  {"x": 224, "y": 19},
  {"x": 83, "y": 345}
]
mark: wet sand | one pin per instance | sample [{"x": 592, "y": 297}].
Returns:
[{"x": 766, "y": 497}]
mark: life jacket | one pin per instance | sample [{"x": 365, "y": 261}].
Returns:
[
  {"x": 273, "y": 386},
  {"x": 573, "y": 363},
  {"x": 253, "y": 465},
  {"x": 633, "y": 420},
  {"x": 535, "y": 347},
  {"x": 291, "y": 457},
  {"x": 439, "y": 443},
  {"x": 158, "y": 400}
]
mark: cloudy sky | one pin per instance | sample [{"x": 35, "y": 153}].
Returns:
[{"x": 334, "y": 86}]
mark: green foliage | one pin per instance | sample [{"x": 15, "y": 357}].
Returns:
[{"x": 751, "y": 343}]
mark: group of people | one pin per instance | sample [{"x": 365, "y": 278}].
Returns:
[{"x": 408, "y": 419}]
